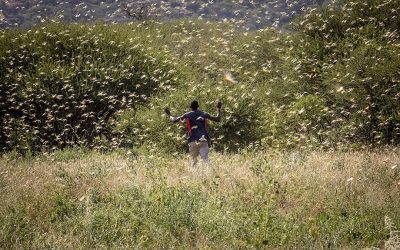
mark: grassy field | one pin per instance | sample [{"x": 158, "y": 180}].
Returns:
[
  {"x": 307, "y": 200},
  {"x": 310, "y": 121}
]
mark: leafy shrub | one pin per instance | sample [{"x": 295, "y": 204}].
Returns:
[
  {"x": 346, "y": 56},
  {"x": 62, "y": 84},
  {"x": 240, "y": 125}
]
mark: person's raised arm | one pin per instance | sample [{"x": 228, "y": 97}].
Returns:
[
  {"x": 216, "y": 118},
  {"x": 172, "y": 118}
]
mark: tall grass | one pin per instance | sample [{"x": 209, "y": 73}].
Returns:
[{"x": 83, "y": 199}]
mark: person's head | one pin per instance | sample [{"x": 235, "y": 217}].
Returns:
[{"x": 194, "y": 105}]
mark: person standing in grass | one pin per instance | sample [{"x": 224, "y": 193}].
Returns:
[{"x": 196, "y": 121}]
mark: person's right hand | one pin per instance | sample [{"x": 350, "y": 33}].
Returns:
[
  {"x": 219, "y": 105},
  {"x": 166, "y": 110}
]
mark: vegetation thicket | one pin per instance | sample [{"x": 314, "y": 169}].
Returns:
[
  {"x": 333, "y": 82},
  {"x": 349, "y": 56},
  {"x": 62, "y": 84}
]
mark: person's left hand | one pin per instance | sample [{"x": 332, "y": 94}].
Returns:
[
  {"x": 219, "y": 105},
  {"x": 166, "y": 110}
]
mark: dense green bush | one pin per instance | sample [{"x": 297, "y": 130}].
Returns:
[
  {"x": 348, "y": 55},
  {"x": 240, "y": 126},
  {"x": 333, "y": 82},
  {"x": 61, "y": 84}
]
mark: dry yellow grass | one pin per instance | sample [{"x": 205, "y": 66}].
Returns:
[
  {"x": 371, "y": 176},
  {"x": 299, "y": 184}
]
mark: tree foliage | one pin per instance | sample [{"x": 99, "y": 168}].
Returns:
[
  {"x": 332, "y": 81},
  {"x": 349, "y": 55},
  {"x": 61, "y": 85}
]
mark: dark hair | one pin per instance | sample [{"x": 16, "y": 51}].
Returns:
[{"x": 194, "y": 105}]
